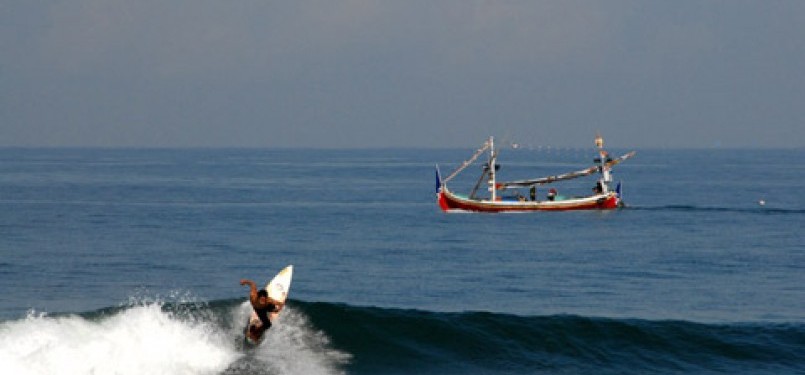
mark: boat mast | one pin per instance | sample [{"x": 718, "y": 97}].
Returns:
[
  {"x": 492, "y": 168},
  {"x": 603, "y": 159}
]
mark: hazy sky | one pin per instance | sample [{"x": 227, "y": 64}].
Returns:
[{"x": 430, "y": 73}]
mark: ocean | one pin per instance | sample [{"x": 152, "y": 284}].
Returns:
[{"x": 128, "y": 261}]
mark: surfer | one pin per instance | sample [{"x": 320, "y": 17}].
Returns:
[{"x": 263, "y": 305}]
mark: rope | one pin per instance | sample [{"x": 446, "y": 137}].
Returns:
[{"x": 468, "y": 162}]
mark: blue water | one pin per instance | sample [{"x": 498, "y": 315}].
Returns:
[{"x": 128, "y": 261}]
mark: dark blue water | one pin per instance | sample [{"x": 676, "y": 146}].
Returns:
[{"x": 130, "y": 260}]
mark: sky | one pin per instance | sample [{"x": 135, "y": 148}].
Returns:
[{"x": 413, "y": 73}]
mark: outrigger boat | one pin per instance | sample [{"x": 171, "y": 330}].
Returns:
[{"x": 602, "y": 198}]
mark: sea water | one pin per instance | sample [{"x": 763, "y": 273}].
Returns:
[{"x": 128, "y": 261}]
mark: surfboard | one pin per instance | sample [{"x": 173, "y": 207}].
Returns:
[{"x": 277, "y": 288}]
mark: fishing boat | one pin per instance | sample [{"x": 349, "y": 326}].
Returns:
[{"x": 499, "y": 198}]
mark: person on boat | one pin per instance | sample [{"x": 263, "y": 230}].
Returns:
[
  {"x": 551, "y": 194},
  {"x": 533, "y": 193},
  {"x": 598, "y": 188},
  {"x": 263, "y": 305}
]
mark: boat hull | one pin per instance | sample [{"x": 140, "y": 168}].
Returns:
[{"x": 450, "y": 202}]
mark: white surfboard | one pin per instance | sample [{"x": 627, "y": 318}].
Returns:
[{"x": 277, "y": 289}]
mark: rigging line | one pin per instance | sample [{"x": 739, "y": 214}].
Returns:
[{"x": 467, "y": 162}]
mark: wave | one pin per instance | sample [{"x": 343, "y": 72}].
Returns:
[
  {"x": 410, "y": 341},
  {"x": 692, "y": 208},
  {"x": 153, "y": 337},
  {"x": 330, "y": 338}
]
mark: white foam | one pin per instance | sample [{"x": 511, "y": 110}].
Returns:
[
  {"x": 137, "y": 340},
  {"x": 145, "y": 339},
  {"x": 292, "y": 346}
]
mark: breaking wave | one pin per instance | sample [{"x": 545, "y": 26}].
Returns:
[{"x": 329, "y": 338}]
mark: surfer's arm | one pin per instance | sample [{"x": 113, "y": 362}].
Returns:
[{"x": 252, "y": 287}]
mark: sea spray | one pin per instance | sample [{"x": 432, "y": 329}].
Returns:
[
  {"x": 140, "y": 339},
  {"x": 292, "y": 346}
]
